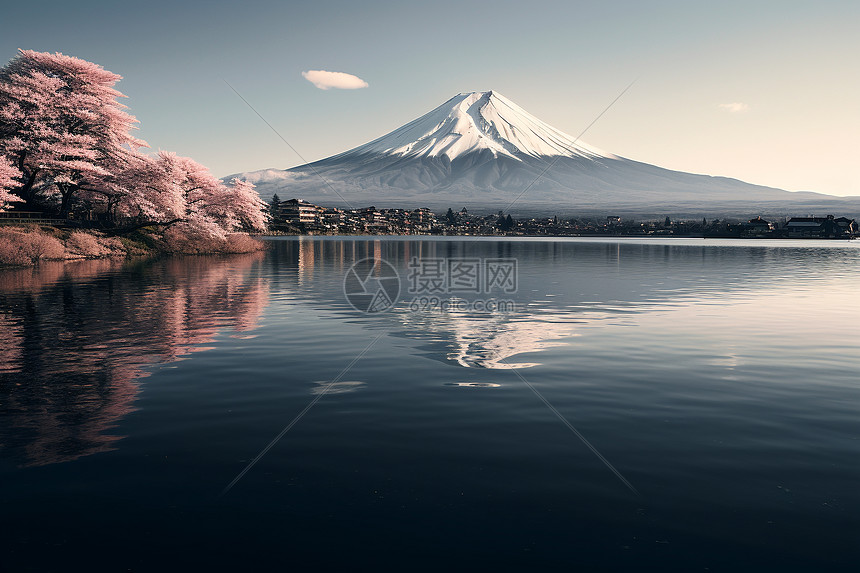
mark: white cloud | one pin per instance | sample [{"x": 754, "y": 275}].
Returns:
[
  {"x": 338, "y": 80},
  {"x": 736, "y": 107}
]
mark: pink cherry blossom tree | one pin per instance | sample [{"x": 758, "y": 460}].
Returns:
[
  {"x": 8, "y": 181},
  {"x": 238, "y": 207},
  {"x": 62, "y": 126},
  {"x": 67, "y": 141},
  {"x": 170, "y": 190},
  {"x": 128, "y": 193}
]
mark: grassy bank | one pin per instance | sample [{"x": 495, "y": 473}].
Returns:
[{"x": 28, "y": 245}]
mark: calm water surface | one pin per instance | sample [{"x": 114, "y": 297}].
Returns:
[{"x": 718, "y": 378}]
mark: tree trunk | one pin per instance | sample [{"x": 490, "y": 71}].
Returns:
[
  {"x": 130, "y": 228},
  {"x": 67, "y": 191},
  {"x": 26, "y": 191}
]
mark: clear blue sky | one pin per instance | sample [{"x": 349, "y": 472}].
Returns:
[{"x": 792, "y": 67}]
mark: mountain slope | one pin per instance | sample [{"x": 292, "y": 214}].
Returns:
[{"x": 481, "y": 150}]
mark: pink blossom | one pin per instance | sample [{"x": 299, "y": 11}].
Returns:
[
  {"x": 8, "y": 175},
  {"x": 62, "y": 126},
  {"x": 65, "y": 142},
  {"x": 172, "y": 190}
]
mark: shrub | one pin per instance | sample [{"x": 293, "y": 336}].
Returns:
[
  {"x": 186, "y": 240},
  {"x": 93, "y": 246},
  {"x": 84, "y": 245},
  {"x": 242, "y": 243},
  {"x": 20, "y": 246}
]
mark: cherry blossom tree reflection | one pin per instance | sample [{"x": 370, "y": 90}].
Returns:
[{"x": 76, "y": 339}]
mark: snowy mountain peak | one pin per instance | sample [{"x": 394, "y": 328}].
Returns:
[
  {"x": 482, "y": 150},
  {"x": 478, "y": 121}
]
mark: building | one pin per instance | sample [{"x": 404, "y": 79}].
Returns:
[
  {"x": 757, "y": 227},
  {"x": 298, "y": 212},
  {"x": 422, "y": 220},
  {"x": 332, "y": 217},
  {"x": 847, "y": 225},
  {"x": 820, "y": 227}
]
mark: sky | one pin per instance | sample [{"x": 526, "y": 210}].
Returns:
[{"x": 765, "y": 92}]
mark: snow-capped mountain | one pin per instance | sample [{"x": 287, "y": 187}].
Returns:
[
  {"x": 475, "y": 122},
  {"x": 480, "y": 149}
]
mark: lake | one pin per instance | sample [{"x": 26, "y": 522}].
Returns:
[{"x": 667, "y": 405}]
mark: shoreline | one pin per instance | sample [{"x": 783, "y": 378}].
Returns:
[
  {"x": 559, "y": 236},
  {"x": 65, "y": 246},
  {"x": 26, "y": 246}
]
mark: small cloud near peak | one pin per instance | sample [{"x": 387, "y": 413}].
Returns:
[
  {"x": 735, "y": 107},
  {"x": 334, "y": 80}
]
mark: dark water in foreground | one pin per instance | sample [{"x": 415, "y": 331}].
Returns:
[{"x": 720, "y": 379}]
